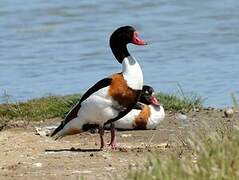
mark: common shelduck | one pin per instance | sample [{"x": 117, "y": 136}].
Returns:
[
  {"x": 148, "y": 114},
  {"x": 110, "y": 98}
]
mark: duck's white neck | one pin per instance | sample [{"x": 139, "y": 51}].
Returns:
[{"x": 132, "y": 73}]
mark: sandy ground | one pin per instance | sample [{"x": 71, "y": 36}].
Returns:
[{"x": 25, "y": 154}]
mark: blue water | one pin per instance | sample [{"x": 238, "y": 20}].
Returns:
[{"x": 61, "y": 47}]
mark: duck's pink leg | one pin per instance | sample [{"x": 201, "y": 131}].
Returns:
[
  {"x": 101, "y": 132},
  {"x": 113, "y": 137}
]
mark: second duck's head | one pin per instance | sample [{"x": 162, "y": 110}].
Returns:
[
  {"x": 148, "y": 96},
  {"x": 120, "y": 38}
]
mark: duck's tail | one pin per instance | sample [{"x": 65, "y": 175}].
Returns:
[
  {"x": 72, "y": 127},
  {"x": 57, "y": 130}
]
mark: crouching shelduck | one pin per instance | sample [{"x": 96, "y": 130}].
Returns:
[
  {"x": 148, "y": 115},
  {"x": 111, "y": 98}
]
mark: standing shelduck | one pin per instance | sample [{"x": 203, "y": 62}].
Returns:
[{"x": 110, "y": 98}]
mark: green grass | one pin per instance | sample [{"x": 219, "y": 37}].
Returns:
[
  {"x": 212, "y": 154},
  {"x": 234, "y": 100},
  {"x": 39, "y": 109},
  {"x": 58, "y": 106},
  {"x": 176, "y": 103}
]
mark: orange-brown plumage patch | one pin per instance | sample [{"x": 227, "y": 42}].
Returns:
[
  {"x": 73, "y": 131},
  {"x": 141, "y": 120},
  {"x": 120, "y": 91}
]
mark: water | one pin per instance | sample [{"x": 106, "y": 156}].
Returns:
[{"x": 61, "y": 47}]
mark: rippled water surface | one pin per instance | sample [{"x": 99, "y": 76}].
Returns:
[{"x": 61, "y": 47}]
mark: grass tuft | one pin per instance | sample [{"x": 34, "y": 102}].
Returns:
[
  {"x": 39, "y": 109},
  {"x": 182, "y": 104},
  {"x": 212, "y": 155},
  {"x": 234, "y": 100}
]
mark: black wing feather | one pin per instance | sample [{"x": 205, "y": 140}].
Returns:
[{"x": 99, "y": 85}]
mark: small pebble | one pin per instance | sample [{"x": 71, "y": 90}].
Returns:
[
  {"x": 123, "y": 150},
  {"x": 163, "y": 145},
  {"x": 181, "y": 116},
  {"x": 82, "y": 172},
  {"x": 109, "y": 168},
  {"x": 126, "y": 135},
  {"x": 37, "y": 164},
  {"x": 228, "y": 112},
  {"x": 196, "y": 109}
]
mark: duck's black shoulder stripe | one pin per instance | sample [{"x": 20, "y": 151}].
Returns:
[
  {"x": 138, "y": 106},
  {"x": 99, "y": 85},
  {"x": 73, "y": 112}
]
